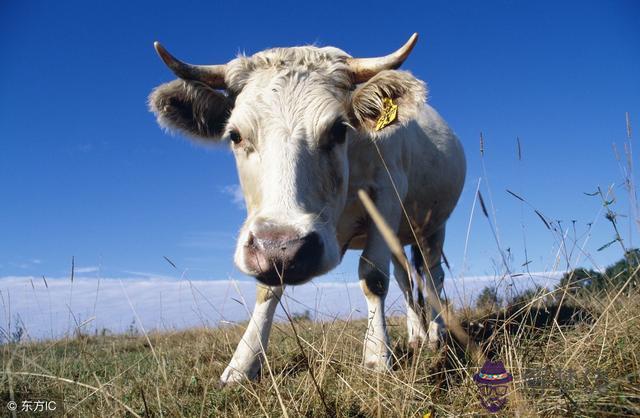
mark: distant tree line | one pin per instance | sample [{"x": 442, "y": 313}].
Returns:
[{"x": 580, "y": 281}]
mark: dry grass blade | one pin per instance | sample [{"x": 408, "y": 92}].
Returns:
[
  {"x": 546, "y": 224},
  {"x": 170, "y": 262},
  {"x": 482, "y": 205},
  {"x": 515, "y": 195}
]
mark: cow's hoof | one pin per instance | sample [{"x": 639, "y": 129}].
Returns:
[
  {"x": 434, "y": 345},
  {"x": 427, "y": 345},
  {"x": 378, "y": 364},
  {"x": 416, "y": 344},
  {"x": 232, "y": 377},
  {"x": 436, "y": 336},
  {"x": 415, "y": 329}
]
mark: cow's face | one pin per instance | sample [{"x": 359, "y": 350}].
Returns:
[
  {"x": 286, "y": 114},
  {"x": 288, "y": 131}
]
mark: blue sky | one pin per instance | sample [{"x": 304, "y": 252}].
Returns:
[{"x": 86, "y": 172}]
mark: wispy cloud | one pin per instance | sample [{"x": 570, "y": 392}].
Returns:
[
  {"x": 147, "y": 275},
  {"x": 209, "y": 240},
  {"x": 26, "y": 264},
  {"x": 88, "y": 269},
  {"x": 235, "y": 192}
]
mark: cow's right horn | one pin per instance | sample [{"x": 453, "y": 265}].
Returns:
[{"x": 211, "y": 75}]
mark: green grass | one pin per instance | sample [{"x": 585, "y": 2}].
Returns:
[{"x": 175, "y": 374}]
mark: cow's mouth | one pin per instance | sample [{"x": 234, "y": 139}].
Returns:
[{"x": 274, "y": 262}]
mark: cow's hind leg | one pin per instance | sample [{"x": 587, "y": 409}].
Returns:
[
  {"x": 247, "y": 359},
  {"x": 415, "y": 312},
  {"x": 433, "y": 278}
]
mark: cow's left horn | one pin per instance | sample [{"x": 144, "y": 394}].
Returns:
[
  {"x": 211, "y": 75},
  {"x": 365, "y": 68}
]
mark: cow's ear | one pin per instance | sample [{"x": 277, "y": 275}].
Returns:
[
  {"x": 389, "y": 99},
  {"x": 191, "y": 108}
]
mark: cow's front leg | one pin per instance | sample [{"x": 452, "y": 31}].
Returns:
[
  {"x": 373, "y": 271},
  {"x": 374, "y": 281},
  {"x": 247, "y": 359}
]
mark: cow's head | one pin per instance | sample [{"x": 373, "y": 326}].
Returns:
[{"x": 287, "y": 114}]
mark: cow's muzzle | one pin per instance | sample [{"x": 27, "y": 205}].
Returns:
[{"x": 280, "y": 255}]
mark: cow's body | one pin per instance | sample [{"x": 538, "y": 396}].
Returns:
[
  {"x": 426, "y": 156},
  {"x": 304, "y": 124}
]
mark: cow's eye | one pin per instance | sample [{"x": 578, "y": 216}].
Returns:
[
  {"x": 338, "y": 132},
  {"x": 335, "y": 135},
  {"x": 235, "y": 137}
]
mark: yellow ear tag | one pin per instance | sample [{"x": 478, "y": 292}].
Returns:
[{"x": 388, "y": 115}]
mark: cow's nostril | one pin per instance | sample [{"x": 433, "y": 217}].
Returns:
[
  {"x": 283, "y": 254},
  {"x": 274, "y": 238}
]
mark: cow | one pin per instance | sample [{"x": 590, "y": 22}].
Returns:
[{"x": 309, "y": 127}]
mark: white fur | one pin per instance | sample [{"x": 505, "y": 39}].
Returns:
[{"x": 376, "y": 353}]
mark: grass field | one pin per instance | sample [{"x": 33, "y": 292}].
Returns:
[
  {"x": 572, "y": 351},
  {"x": 579, "y": 359}
]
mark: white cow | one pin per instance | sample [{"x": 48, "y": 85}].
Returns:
[{"x": 309, "y": 127}]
